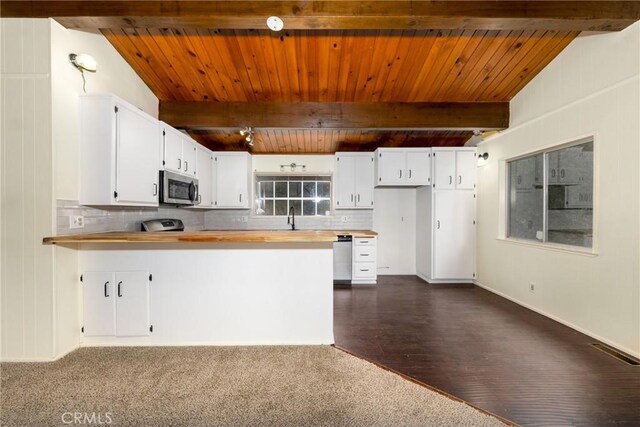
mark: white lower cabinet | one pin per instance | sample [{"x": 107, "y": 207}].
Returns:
[
  {"x": 116, "y": 303},
  {"x": 365, "y": 267}
]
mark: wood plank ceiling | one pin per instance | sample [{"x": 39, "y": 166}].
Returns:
[{"x": 335, "y": 66}]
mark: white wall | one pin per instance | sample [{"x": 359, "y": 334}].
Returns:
[
  {"x": 592, "y": 87},
  {"x": 27, "y": 192},
  {"x": 40, "y": 289},
  {"x": 321, "y": 163},
  {"x": 394, "y": 218}
]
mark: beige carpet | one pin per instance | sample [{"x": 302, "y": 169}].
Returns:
[{"x": 225, "y": 386}]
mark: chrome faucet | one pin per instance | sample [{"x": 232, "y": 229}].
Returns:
[{"x": 291, "y": 218}]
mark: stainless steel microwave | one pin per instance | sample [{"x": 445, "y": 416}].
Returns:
[{"x": 176, "y": 189}]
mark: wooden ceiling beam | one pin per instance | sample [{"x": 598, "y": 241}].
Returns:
[
  {"x": 562, "y": 15},
  {"x": 332, "y": 115}
]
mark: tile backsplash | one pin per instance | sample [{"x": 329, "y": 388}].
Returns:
[
  {"x": 118, "y": 218},
  {"x": 355, "y": 219},
  {"x": 129, "y": 218}
]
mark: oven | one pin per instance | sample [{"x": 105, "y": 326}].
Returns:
[{"x": 176, "y": 189}]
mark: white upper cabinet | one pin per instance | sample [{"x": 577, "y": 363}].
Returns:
[
  {"x": 444, "y": 169},
  {"x": 454, "y": 168},
  {"x": 354, "y": 181},
  {"x": 232, "y": 176},
  {"x": 364, "y": 181},
  {"x": 419, "y": 167},
  {"x": 119, "y": 153},
  {"x": 205, "y": 177},
  {"x": 179, "y": 151},
  {"x": 190, "y": 154},
  {"x": 172, "y": 148},
  {"x": 403, "y": 166},
  {"x": 466, "y": 169},
  {"x": 391, "y": 165}
]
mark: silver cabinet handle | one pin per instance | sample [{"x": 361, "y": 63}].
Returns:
[
  {"x": 186, "y": 166},
  {"x": 364, "y": 254},
  {"x": 438, "y": 221},
  {"x": 450, "y": 180},
  {"x": 179, "y": 164},
  {"x": 561, "y": 173},
  {"x": 106, "y": 289},
  {"x": 364, "y": 269},
  {"x": 459, "y": 179},
  {"x": 352, "y": 197},
  {"x": 400, "y": 173},
  {"x": 120, "y": 289},
  {"x": 240, "y": 198},
  {"x": 553, "y": 173},
  {"x": 358, "y": 197},
  {"x": 409, "y": 173},
  {"x": 364, "y": 241},
  {"x": 155, "y": 189}
]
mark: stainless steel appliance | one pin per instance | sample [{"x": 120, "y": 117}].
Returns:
[
  {"x": 342, "y": 260},
  {"x": 162, "y": 225},
  {"x": 176, "y": 189}
]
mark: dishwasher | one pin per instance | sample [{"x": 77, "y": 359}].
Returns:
[{"x": 342, "y": 260}]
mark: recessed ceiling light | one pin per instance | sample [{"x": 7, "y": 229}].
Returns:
[{"x": 275, "y": 23}]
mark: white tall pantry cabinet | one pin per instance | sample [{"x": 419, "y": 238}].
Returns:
[{"x": 446, "y": 212}]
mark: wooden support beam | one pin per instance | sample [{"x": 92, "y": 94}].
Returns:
[
  {"x": 563, "y": 15},
  {"x": 352, "y": 115}
]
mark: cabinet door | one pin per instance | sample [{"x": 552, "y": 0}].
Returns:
[
  {"x": 553, "y": 174},
  {"x": 345, "y": 182},
  {"x": 391, "y": 167},
  {"x": 132, "y": 306},
  {"x": 172, "y": 150},
  {"x": 454, "y": 235},
  {"x": 570, "y": 162},
  {"x": 525, "y": 173},
  {"x": 418, "y": 170},
  {"x": 444, "y": 169},
  {"x": 99, "y": 303},
  {"x": 190, "y": 154},
  {"x": 465, "y": 170},
  {"x": 364, "y": 181},
  {"x": 205, "y": 177},
  {"x": 136, "y": 158},
  {"x": 231, "y": 184}
]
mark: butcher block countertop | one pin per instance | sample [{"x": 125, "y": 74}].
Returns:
[{"x": 210, "y": 236}]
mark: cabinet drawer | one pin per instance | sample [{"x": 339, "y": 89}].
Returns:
[
  {"x": 365, "y": 241},
  {"x": 364, "y": 270},
  {"x": 364, "y": 253}
]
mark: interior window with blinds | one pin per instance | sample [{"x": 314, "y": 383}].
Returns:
[
  {"x": 308, "y": 195},
  {"x": 550, "y": 196}
]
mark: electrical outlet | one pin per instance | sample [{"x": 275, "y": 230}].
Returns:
[
  {"x": 245, "y": 218},
  {"x": 532, "y": 287},
  {"x": 344, "y": 219},
  {"x": 76, "y": 221}
]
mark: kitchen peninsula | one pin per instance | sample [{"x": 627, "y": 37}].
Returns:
[{"x": 210, "y": 287}]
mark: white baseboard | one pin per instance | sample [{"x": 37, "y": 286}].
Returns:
[
  {"x": 200, "y": 344},
  {"x": 38, "y": 359},
  {"x": 559, "y": 320}
]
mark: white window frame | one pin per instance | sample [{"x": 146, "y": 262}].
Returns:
[
  {"x": 256, "y": 175},
  {"x": 545, "y": 243}
]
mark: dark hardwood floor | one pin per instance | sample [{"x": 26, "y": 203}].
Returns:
[{"x": 487, "y": 351}]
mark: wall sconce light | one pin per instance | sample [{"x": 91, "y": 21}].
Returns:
[
  {"x": 83, "y": 62},
  {"x": 483, "y": 156}
]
